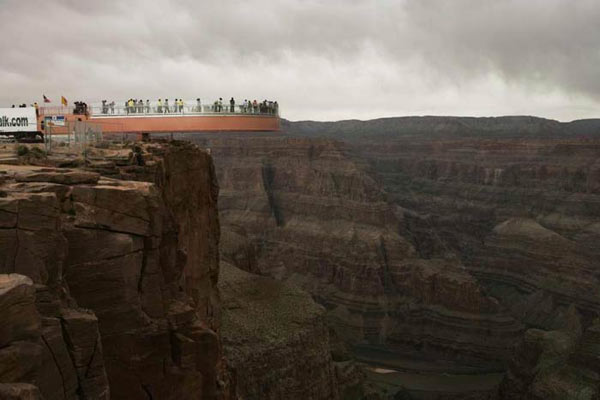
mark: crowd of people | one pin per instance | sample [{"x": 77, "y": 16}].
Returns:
[
  {"x": 139, "y": 106},
  {"x": 249, "y": 106},
  {"x": 81, "y": 108}
]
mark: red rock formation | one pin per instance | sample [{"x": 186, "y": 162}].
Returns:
[
  {"x": 310, "y": 212},
  {"x": 142, "y": 257},
  {"x": 275, "y": 339},
  {"x": 515, "y": 199},
  {"x": 62, "y": 355},
  {"x": 519, "y": 213}
]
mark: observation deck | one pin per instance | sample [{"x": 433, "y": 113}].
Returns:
[{"x": 157, "y": 118}]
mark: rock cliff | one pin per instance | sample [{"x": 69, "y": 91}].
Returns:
[
  {"x": 553, "y": 365},
  {"x": 459, "y": 253},
  {"x": 275, "y": 339},
  {"x": 111, "y": 283}
]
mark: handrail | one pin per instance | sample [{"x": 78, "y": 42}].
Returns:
[
  {"x": 56, "y": 110},
  {"x": 155, "y": 109}
]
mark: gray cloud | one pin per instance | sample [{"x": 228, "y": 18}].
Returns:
[{"x": 321, "y": 59}]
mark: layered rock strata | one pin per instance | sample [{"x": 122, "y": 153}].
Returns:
[
  {"x": 122, "y": 276},
  {"x": 553, "y": 365},
  {"x": 47, "y": 340},
  {"x": 275, "y": 339},
  {"x": 521, "y": 215},
  {"x": 515, "y": 199},
  {"x": 310, "y": 212}
]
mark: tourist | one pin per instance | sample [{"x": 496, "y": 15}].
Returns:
[
  {"x": 220, "y": 104},
  {"x": 141, "y": 106},
  {"x": 255, "y": 106},
  {"x": 167, "y": 106},
  {"x": 181, "y": 104},
  {"x": 232, "y": 105},
  {"x": 112, "y": 107},
  {"x": 159, "y": 108},
  {"x": 175, "y": 105},
  {"x": 147, "y": 106},
  {"x": 198, "y": 105}
]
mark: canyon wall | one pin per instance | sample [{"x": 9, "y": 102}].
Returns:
[
  {"x": 312, "y": 213},
  {"x": 110, "y": 284},
  {"x": 275, "y": 339},
  {"x": 522, "y": 215},
  {"x": 109, "y": 281},
  {"x": 516, "y": 200},
  {"x": 460, "y": 253},
  {"x": 260, "y": 337}
]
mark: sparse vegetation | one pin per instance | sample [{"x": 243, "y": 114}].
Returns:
[
  {"x": 22, "y": 150},
  {"x": 36, "y": 152}
]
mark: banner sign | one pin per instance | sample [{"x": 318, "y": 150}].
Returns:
[
  {"x": 55, "y": 120},
  {"x": 18, "y": 119}
]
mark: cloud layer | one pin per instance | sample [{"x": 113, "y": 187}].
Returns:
[{"x": 328, "y": 59}]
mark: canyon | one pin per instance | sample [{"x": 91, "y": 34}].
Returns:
[
  {"x": 402, "y": 258},
  {"x": 438, "y": 246}
]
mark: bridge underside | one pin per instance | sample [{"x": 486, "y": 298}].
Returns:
[{"x": 186, "y": 123}]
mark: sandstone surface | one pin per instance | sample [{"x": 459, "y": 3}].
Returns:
[
  {"x": 111, "y": 283},
  {"x": 275, "y": 339}
]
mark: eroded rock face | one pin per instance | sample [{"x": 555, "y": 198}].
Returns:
[
  {"x": 275, "y": 339},
  {"x": 514, "y": 199},
  {"x": 555, "y": 365},
  {"x": 43, "y": 348},
  {"x": 19, "y": 391},
  {"x": 521, "y": 214},
  {"x": 310, "y": 212},
  {"x": 58, "y": 356},
  {"x": 125, "y": 274}
]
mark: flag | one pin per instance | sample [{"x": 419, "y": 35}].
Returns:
[
  {"x": 63, "y": 101},
  {"x": 46, "y": 100}
]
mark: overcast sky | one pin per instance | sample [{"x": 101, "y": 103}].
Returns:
[{"x": 322, "y": 60}]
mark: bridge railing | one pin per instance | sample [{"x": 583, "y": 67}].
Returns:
[
  {"x": 55, "y": 110},
  {"x": 171, "y": 109}
]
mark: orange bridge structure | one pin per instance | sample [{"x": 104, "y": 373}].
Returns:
[{"x": 144, "y": 120}]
